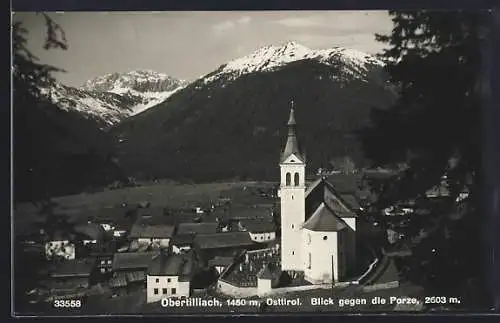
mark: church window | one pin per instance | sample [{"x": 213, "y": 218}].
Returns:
[
  {"x": 309, "y": 261},
  {"x": 292, "y": 196},
  {"x": 293, "y": 253},
  {"x": 325, "y": 237},
  {"x": 296, "y": 179},
  {"x": 293, "y": 226},
  {"x": 288, "y": 179}
]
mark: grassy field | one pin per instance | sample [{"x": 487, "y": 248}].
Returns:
[{"x": 161, "y": 194}]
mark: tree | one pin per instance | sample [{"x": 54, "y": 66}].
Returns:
[
  {"x": 434, "y": 59},
  {"x": 28, "y": 76},
  {"x": 344, "y": 164}
]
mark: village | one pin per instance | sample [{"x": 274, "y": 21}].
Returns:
[{"x": 248, "y": 240}]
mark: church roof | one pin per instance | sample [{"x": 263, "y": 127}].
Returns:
[
  {"x": 322, "y": 191},
  {"x": 324, "y": 220},
  {"x": 292, "y": 143}
]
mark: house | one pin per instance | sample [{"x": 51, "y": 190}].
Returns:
[
  {"x": 260, "y": 230},
  {"x": 268, "y": 278},
  {"x": 182, "y": 242},
  {"x": 220, "y": 263},
  {"x": 89, "y": 233},
  {"x": 71, "y": 274},
  {"x": 153, "y": 235},
  {"x": 197, "y": 228},
  {"x": 60, "y": 243},
  {"x": 223, "y": 244},
  {"x": 129, "y": 270},
  {"x": 170, "y": 276},
  {"x": 104, "y": 254}
]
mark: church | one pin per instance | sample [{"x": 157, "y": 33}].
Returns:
[{"x": 318, "y": 225}]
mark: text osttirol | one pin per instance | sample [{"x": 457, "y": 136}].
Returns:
[
  {"x": 283, "y": 302},
  {"x": 190, "y": 302}
]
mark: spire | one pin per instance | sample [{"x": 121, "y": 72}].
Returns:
[
  {"x": 292, "y": 144},
  {"x": 291, "y": 119}
]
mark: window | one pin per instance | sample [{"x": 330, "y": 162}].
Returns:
[
  {"x": 288, "y": 179},
  {"x": 156, "y": 291},
  {"x": 169, "y": 280},
  {"x": 102, "y": 262},
  {"x": 174, "y": 290},
  {"x": 157, "y": 280},
  {"x": 109, "y": 262},
  {"x": 309, "y": 260},
  {"x": 165, "y": 291},
  {"x": 292, "y": 196},
  {"x": 293, "y": 253},
  {"x": 293, "y": 226},
  {"x": 296, "y": 178},
  {"x": 325, "y": 237}
]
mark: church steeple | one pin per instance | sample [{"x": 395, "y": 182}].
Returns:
[{"x": 292, "y": 144}]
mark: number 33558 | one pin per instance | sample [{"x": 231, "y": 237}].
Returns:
[{"x": 67, "y": 303}]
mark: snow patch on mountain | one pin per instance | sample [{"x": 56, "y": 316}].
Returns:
[
  {"x": 270, "y": 58},
  {"x": 107, "y": 109}
]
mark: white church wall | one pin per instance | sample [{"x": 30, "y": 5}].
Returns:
[
  {"x": 351, "y": 222},
  {"x": 292, "y": 214},
  {"x": 292, "y": 217},
  {"x": 319, "y": 254}
]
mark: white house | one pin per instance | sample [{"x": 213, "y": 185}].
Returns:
[
  {"x": 154, "y": 235},
  {"x": 170, "y": 276},
  {"x": 260, "y": 230},
  {"x": 318, "y": 225},
  {"x": 60, "y": 244}
]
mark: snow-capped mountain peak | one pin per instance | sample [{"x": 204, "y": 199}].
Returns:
[
  {"x": 269, "y": 58},
  {"x": 113, "y": 97},
  {"x": 136, "y": 80}
]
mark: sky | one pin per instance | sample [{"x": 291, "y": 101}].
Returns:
[{"x": 187, "y": 45}]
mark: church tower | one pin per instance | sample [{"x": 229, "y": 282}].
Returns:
[{"x": 292, "y": 197}]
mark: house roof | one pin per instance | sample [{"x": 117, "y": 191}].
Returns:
[
  {"x": 181, "y": 265},
  {"x": 182, "y": 239},
  {"x": 351, "y": 201},
  {"x": 258, "y": 225},
  {"x": 90, "y": 230},
  {"x": 132, "y": 260},
  {"x": 220, "y": 261},
  {"x": 223, "y": 240},
  {"x": 142, "y": 230},
  {"x": 197, "y": 228},
  {"x": 324, "y": 220},
  {"x": 73, "y": 268},
  {"x": 245, "y": 212}
]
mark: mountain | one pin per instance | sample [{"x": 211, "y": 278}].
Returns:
[
  {"x": 58, "y": 152},
  {"x": 231, "y": 122},
  {"x": 109, "y": 99}
]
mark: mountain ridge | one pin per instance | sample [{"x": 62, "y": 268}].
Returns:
[
  {"x": 111, "y": 98},
  {"x": 209, "y": 129}
]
